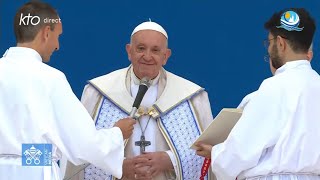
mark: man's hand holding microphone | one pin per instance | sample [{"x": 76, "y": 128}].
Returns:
[{"x": 126, "y": 124}]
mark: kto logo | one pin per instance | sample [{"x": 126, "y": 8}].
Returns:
[{"x": 26, "y": 20}]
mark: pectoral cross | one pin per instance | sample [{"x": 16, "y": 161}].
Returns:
[{"x": 142, "y": 143}]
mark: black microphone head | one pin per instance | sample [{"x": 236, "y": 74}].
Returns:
[{"x": 143, "y": 87}]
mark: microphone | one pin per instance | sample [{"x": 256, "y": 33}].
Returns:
[{"x": 143, "y": 87}]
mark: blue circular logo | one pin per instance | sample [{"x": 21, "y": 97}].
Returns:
[{"x": 290, "y": 21}]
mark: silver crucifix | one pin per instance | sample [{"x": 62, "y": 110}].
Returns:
[{"x": 142, "y": 143}]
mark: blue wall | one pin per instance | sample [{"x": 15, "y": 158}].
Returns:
[{"x": 216, "y": 44}]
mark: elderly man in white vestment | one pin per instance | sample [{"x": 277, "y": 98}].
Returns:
[
  {"x": 37, "y": 106},
  {"x": 173, "y": 112},
  {"x": 276, "y": 137}
]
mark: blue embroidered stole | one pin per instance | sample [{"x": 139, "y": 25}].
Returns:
[
  {"x": 106, "y": 117},
  {"x": 179, "y": 126}
]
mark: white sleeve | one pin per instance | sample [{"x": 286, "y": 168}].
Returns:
[
  {"x": 74, "y": 133},
  {"x": 246, "y": 100},
  {"x": 90, "y": 99},
  {"x": 256, "y": 130},
  {"x": 173, "y": 160}
]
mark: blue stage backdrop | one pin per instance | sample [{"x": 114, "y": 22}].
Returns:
[{"x": 216, "y": 44}]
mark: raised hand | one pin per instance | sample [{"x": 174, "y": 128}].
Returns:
[
  {"x": 203, "y": 150},
  {"x": 126, "y": 126}
]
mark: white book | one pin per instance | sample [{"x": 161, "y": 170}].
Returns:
[{"x": 219, "y": 129}]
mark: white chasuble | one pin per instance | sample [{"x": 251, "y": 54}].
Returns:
[{"x": 180, "y": 111}]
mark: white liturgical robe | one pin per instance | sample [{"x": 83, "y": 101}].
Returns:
[
  {"x": 277, "y": 136},
  {"x": 180, "y": 110},
  {"x": 38, "y": 106}
]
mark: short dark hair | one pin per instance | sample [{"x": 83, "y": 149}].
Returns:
[
  {"x": 299, "y": 41},
  {"x": 26, "y": 32}
]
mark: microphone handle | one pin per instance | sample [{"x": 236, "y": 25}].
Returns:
[{"x": 133, "y": 112}]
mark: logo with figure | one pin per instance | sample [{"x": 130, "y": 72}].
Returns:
[
  {"x": 290, "y": 21},
  {"x": 36, "y": 154}
]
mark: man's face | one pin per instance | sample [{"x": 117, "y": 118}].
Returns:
[
  {"x": 52, "y": 43},
  {"x": 275, "y": 60},
  {"x": 148, "y": 52}
]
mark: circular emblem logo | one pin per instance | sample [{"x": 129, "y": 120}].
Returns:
[{"x": 290, "y": 21}]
